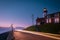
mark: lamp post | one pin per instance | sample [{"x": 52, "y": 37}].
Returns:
[
  {"x": 32, "y": 19},
  {"x": 12, "y": 27},
  {"x": 12, "y": 32}
]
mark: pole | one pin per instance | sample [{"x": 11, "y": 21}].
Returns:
[
  {"x": 32, "y": 19},
  {"x": 12, "y": 32}
]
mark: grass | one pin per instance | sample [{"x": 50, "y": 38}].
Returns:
[{"x": 49, "y": 28}]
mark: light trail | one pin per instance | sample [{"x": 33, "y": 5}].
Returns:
[{"x": 39, "y": 33}]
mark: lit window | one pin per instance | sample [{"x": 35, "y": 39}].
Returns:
[
  {"x": 56, "y": 20},
  {"x": 46, "y": 20},
  {"x": 49, "y": 20}
]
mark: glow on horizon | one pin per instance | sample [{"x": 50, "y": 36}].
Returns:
[{"x": 14, "y": 25}]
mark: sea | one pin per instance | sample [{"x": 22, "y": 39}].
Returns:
[{"x": 4, "y": 29}]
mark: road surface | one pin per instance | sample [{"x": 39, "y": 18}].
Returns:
[{"x": 29, "y": 36}]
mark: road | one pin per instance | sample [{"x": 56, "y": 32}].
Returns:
[{"x": 29, "y": 36}]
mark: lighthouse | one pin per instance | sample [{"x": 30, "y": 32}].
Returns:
[
  {"x": 44, "y": 12},
  {"x": 45, "y": 15}
]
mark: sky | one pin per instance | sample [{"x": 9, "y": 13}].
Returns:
[{"x": 19, "y": 12}]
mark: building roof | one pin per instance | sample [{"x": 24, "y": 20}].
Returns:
[{"x": 52, "y": 14}]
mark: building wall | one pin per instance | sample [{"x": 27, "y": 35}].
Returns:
[{"x": 52, "y": 20}]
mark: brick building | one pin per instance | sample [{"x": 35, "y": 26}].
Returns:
[
  {"x": 48, "y": 18},
  {"x": 53, "y": 18}
]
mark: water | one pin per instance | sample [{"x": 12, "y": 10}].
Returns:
[{"x": 4, "y": 29}]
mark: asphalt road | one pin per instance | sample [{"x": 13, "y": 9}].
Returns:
[{"x": 27, "y": 36}]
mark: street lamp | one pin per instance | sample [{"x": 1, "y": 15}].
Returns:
[{"x": 12, "y": 32}]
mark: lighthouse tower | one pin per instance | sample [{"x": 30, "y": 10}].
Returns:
[{"x": 45, "y": 14}]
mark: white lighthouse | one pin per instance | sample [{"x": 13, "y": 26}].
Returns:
[
  {"x": 45, "y": 15},
  {"x": 44, "y": 12}
]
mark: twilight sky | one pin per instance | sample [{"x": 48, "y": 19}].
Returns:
[{"x": 19, "y": 12}]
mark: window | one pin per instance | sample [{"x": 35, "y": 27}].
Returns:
[
  {"x": 46, "y": 20},
  {"x": 49, "y": 20},
  {"x": 56, "y": 20}
]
